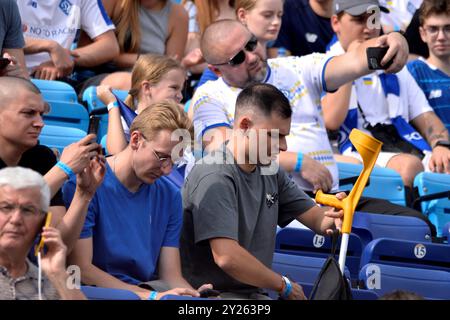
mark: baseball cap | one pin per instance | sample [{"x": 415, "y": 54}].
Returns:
[{"x": 356, "y": 7}]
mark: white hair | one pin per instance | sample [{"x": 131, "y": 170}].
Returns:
[{"x": 22, "y": 178}]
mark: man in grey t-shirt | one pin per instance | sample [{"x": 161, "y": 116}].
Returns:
[{"x": 233, "y": 202}]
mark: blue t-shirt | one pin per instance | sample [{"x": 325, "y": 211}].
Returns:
[
  {"x": 128, "y": 229},
  {"x": 436, "y": 86},
  {"x": 302, "y": 30}
]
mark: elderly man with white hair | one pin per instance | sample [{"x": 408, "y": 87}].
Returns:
[{"x": 24, "y": 202}]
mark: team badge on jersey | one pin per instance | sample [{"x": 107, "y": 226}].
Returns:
[{"x": 65, "y": 6}]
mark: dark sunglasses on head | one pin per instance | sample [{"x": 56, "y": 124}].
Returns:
[{"x": 240, "y": 56}]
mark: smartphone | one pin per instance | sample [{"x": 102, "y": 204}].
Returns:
[
  {"x": 374, "y": 57},
  {"x": 209, "y": 293},
  {"x": 4, "y": 62},
  {"x": 94, "y": 123},
  {"x": 40, "y": 241}
]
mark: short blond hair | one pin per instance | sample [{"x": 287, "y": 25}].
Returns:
[
  {"x": 151, "y": 68},
  {"x": 164, "y": 115}
]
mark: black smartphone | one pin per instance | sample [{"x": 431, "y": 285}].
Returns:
[
  {"x": 374, "y": 57},
  {"x": 4, "y": 62},
  {"x": 209, "y": 293},
  {"x": 94, "y": 123}
]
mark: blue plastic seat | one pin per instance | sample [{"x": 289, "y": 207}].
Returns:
[
  {"x": 370, "y": 226},
  {"x": 97, "y": 293},
  {"x": 60, "y": 137},
  {"x": 66, "y": 114},
  {"x": 56, "y": 90},
  {"x": 437, "y": 210},
  {"x": 381, "y": 278},
  {"x": 305, "y": 242},
  {"x": 446, "y": 232},
  {"x": 384, "y": 183},
  {"x": 407, "y": 254},
  {"x": 93, "y": 103},
  {"x": 300, "y": 268}
]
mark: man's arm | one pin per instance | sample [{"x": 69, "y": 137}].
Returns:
[
  {"x": 311, "y": 170},
  {"x": 322, "y": 220},
  {"x": 239, "y": 264},
  {"x": 104, "y": 48},
  {"x": 91, "y": 275},
  {"x": 433, "y": 130},
  {"x": 353, "y": 64},
  {"x": 169, "y": 268},
  {"x": 60, "y": 57}
]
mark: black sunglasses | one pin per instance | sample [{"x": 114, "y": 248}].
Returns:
[{"x": 240, "y": 56}]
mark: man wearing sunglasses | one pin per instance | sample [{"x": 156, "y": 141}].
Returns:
[
  {"x": 229, "y": 49},
  {"x": 131, "y": 233},
  {"x": 309, "y": 157}
]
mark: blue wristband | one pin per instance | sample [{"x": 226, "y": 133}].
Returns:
[
  {"x": 64, "y": 167},
  {"x": 298, "y": 165},
  {"x": 288, "y": 288},
  {"x": 112, "y": 105},
  {"x": 152, "y": 295}
]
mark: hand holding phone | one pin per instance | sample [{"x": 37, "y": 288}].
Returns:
[
  {"x": 374, "y": 57},
  {"x": 40, "y": 244}
]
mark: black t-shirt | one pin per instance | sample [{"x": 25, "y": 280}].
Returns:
[
  {"x": 40, "y": 159},
  {"x": 303, "y": 31}
]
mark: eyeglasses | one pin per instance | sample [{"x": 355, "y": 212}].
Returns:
[
  {"x": 239, "y": 58},
  {"x": 434, "y": 30},
  {"x": 8, "y": 209},
  {"x": 163, "y": 161}
]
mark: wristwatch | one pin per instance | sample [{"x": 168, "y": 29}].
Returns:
[{"x": 442, "y": 143}]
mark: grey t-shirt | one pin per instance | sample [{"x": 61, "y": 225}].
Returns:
[
  {"x": 11, "y": 36},
  {"x": 221, "y": 200}
]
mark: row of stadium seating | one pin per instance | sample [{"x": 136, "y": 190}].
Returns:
[{"x": 299, "y": 250}]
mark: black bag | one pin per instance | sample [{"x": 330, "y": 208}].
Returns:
[
  {"x": 331, "y": 284},
  {"x": 392, "y": 142}
]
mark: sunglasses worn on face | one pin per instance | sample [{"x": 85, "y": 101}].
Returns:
[{"x": 239, "y": 58}]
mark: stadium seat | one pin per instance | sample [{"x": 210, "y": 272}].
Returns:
[
  {"x": 434, "y": 192},
  {"x": 446, "y": 232},
  {"x": 407, "y": 254},
  {"x": 97, "y": 293},
  {"x": 305, "y": 242},
  {"x": 384, "y": 183},
  {"x": 67, "y": 114},
  {"x": 94, "y": 104},
  {"x": 56, "y": 90},
  {"x": 300, "y": 268},
  {"x": 60, "y": 137},
  {"x": 370, "y": 226},
  {"x": 381, "y": 278}
]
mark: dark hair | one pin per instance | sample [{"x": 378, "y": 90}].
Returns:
[
  {"x": 265, "y": 98},
  {"x": 430, "y": 7}
]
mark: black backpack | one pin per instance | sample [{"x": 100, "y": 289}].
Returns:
[{"x": 331, "y": 284}]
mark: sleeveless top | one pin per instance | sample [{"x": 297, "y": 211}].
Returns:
[{"x": 154, "y": 29}]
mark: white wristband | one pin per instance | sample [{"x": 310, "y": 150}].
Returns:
[{"x": 112, "y": 105}]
